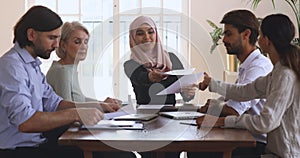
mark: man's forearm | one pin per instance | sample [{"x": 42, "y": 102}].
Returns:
[
  {"x": 45, "y": 121},
  {"x": 229, "y": 111},
  {"x": 65, "y": 105}
]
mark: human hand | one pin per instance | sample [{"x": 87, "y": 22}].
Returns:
[
  {"x": 109, "y": 107},
  {"x": 155, "y": 75},
  {"x": 203, "y": 109},
  {"x": 210, "y": 121},
  {"x": 117, "y": 102},
  {"x": 213, "y": 107},
  {"x": 154, "y": 65},
  {"x": 204, "y": 84},
  {"x": 89, "y": 116},
  {"x": 189, "y": 91}
]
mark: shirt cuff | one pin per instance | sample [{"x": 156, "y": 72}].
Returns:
[
  {"x": 239, "y": 107},
  {"x": 230, "y": 121},
  {"x": 217, "y": 86}
]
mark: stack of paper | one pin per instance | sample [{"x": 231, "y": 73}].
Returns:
[
  {"x": 111, "y": 124},
  {"x": 150, "y": 109},
  {"x": 136, "y": 117}
]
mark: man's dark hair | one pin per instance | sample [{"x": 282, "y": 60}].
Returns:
[
  {"x": 242, "y": 20},
  {"x": 39, "y": 18}
]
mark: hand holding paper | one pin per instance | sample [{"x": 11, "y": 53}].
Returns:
[
  {"x": 180, "y": 72},
  {"x": 156, "y": 75},
  {"x": 204, "y": 84},
  {"x": 190, "y": 90},
  {"x": 184, "y": 81}
]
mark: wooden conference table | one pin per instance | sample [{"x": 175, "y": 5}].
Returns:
[{"x": 160, "y": 135}]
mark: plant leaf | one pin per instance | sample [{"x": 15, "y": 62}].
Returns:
[
  {"x": 213, "y": 47},
  {"x": 216, "y": 34},
  {"x": 273, "y": 3},
  {"x": 212, "y": 24},
  {"x": 255, "y": 3}
]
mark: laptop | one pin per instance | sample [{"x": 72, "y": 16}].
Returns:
[
  {"x": 136, "y": 117},
  {"x": 181, "y": 115}
]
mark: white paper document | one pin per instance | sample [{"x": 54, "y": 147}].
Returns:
[
  {"x": 136, "y": 117},
  {"x": 111, "y": 124},
  {"x": 180, "y": 72},
  {"x": 186, "y": 80},
  {"x": 149, "y": 109},
  {"x": 181, "y": 115},
  {"x": 127, "y": 109}
]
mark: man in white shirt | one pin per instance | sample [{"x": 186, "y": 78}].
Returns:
[{"x": 240, "y": 37}]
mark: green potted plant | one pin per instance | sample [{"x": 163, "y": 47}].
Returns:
[
  {"x": 216, "y": 35},
  {"x": 217, "y": 32}
]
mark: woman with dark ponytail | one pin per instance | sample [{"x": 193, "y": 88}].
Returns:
[
  {"x": 281, "y": 88},
  {"x": 280, "y": 30}
]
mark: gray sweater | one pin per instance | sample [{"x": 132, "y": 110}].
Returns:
[
  {"x": 64, "y": 81},
  {"x": 281, "y": 112}
]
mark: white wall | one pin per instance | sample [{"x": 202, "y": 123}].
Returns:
[
  {"x": 215, "y": 64},
  {"x": 10, "y": 12},
  {"x": 200, "y": 11},
  {"x": 215, "y": 9}
]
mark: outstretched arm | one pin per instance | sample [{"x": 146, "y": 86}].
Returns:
[{"x": 45, "y": 121}]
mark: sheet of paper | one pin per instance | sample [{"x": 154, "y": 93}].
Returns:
[
  {"x": 181, "y": 82},
  {"x": 127, "y": 109},
  {"x": 111, "y": 115},
  {"x": 111, "y": 124},
  {"x": 149, "y": 109},
  {"x": 146, "y": 107},
  {"x": 180, "y": 72}
]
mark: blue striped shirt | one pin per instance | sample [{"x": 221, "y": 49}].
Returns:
[{"x": 23, "y": 91}]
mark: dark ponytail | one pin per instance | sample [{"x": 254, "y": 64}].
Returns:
[
  {"x": 281, "y": 31},
  {"x": 292, "y": 59}
]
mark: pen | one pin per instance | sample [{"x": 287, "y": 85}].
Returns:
[{"x": 191, "y": 124}]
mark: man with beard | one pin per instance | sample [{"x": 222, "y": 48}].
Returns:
[
  {"x": 241, "y": 29},
  {"x": 28, "y": 105}
]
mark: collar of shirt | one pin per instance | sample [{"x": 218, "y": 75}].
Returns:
[
  {"x": 26, "y": 56},
  {"x": 248, "y": 60}
]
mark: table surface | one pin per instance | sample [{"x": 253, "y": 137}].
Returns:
[{"x": 160, "y": 135}]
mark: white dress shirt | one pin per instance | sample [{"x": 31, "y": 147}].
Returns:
[{"x": 255, "y": 65}]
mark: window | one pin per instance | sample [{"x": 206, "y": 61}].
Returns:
[{"x": 102, "y": 73}]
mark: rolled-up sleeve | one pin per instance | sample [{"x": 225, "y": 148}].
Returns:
[
  {"x": 15, "y": 94},
  {"x": 50, "y": 98}
]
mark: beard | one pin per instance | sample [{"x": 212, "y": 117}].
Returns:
[
  {"x": 232, "y": 53},
  {"x": 234, "y": 49},
  {"x": 231, "y": 50},
  {"x": 44, "y": 54},
  {"x": 41, "y": 52}
]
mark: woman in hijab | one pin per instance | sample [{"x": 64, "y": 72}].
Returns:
[{"x": 148, "y": 61}]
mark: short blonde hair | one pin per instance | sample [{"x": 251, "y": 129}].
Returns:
[{"x": 67, "y": 29}]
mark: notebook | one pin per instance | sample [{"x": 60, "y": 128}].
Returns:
[
  {"x": 115, "y": 125},
  {"x": 136, "y": 117},
  {"x": 181, "y": 115}
]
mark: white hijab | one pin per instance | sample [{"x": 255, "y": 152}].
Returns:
[{"x": 155, "y": 58}]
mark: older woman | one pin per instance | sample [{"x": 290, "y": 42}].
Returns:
[{"x": 62, "y": 75}]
